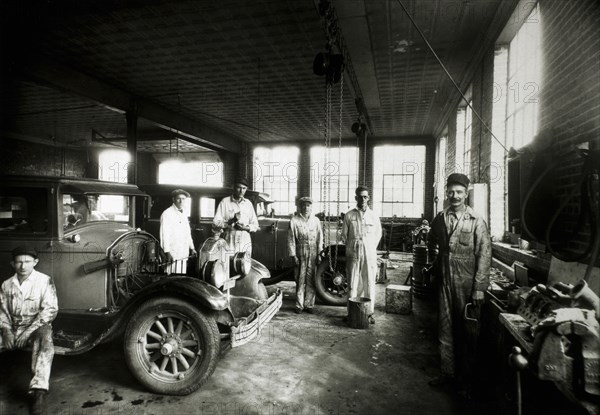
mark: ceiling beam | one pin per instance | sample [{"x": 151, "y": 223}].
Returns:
[{"x": 46, "y": 71}]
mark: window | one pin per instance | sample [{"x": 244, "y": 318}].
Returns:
[
  {"x": 523, "y": 82},
  {"x": 399, "y": 185},
  {"x": 276, "y": 173},
  {"x": 334, "y": 177},
  {"x": 192, "y": 173},
  {"x": 464, "y": 120},
  {"x": 24, "y": 211},
  {"x": 112, "y": 165},
  {"x": 440, "y": 174},
  {"x": 515, "y": 112},
  {"x": 207, "y": 207},
  {"x": 467, "y": 139},
  {"x": 79, "y": 209}
]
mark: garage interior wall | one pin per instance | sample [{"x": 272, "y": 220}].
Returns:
[{"x": 569, "y": 108}]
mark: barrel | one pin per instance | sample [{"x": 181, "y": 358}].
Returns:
[
  {"x": 420, "y": 282},
  {"x": 358, "y": 312}
]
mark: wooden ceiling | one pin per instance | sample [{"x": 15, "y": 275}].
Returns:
[{"x": 216, "y": 74}]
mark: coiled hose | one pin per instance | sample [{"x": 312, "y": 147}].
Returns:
[{"x": 588, "y": 184}]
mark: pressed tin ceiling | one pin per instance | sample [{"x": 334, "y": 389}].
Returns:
[{"x": 219, "y": 73}]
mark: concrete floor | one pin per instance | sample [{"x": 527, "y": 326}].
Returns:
[{"x": 303, "y": 364}]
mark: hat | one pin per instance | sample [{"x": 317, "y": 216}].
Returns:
[
  {"x": 24, "y": 250},
  {"x": 178, "y": 192},
  {"x": 458, "y": 178},
  {"x": 305, "y": 199},
  {"x": 242, "y": 180}
]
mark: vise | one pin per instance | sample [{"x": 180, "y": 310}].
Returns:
[{"x": 567, "y": 350}]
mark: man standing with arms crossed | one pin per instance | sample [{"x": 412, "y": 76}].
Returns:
[{"x": 361, "y": 232}]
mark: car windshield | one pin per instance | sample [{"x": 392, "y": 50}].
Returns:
[{"x": 82, "y": 208}]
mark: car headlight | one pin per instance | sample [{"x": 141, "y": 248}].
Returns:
[
  {"x": 240, "y": 264},
  {"x": 213, "y": 272}
]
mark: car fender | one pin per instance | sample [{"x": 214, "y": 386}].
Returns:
[
  {"x": 193, "y": 289},
  {"x": 197, "y": 292}
]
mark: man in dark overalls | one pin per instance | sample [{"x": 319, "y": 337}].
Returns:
[{"x": 460, "y": 243}]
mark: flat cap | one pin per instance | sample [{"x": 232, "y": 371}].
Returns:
[
  {"x": 178, "y": 192},
  {"x": 305, "y": 199},
  {"x": 458, "y": 178},
  {"x": 24, "y": 250},
  {"x": 242, "y": 180}
]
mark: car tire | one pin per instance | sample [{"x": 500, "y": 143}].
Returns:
[
  {"x": 332, "y": 286},
  {"x": 171, "y": 347}
]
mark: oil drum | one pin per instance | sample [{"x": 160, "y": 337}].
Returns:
[{"x": 420, "y": 281}]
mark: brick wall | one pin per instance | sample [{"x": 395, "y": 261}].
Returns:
[
  {"x": 569, "y": 106},
  {"x": 570, "y": 97}
]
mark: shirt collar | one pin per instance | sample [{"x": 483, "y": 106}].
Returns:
[
  {"x": 465, "y": 213},
  {"x": 235, "y": 201},
  {"x": 29, "y": 280}
]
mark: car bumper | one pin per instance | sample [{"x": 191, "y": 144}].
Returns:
[{"x": 250, "y": 327}]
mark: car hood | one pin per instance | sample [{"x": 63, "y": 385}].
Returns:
[{"x": 100, "y": 233}]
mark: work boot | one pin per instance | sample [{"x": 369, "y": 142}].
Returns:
[
  {"x": 309, "y": 310},
  {"x": 371, "y": 319},
  {"x": 297, "y": 310},
  {"x": 38, "y": 401}
]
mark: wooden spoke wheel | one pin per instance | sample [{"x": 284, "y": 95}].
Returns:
[{"x": 171, "y": 347}]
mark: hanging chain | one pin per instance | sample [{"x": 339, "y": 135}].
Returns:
[
  {"x": 324, "y": 186},
  {"x": 339, "y": 168}
]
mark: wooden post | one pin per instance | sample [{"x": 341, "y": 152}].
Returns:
[{"x": 358, "y": 312}]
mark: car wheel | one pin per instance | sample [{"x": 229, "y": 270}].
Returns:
[
  {"x": 171, "y": 347},
  {"x": 331, "y": 285}
]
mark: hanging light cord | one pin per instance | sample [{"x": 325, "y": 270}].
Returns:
[{"x": 448, "y": 74}]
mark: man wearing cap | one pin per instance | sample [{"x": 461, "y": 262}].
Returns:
[
  {"x": 28, "y": 305},
  {"x": 305, "y": 242},
  {"x": 460, "y": 243},
  {"x": 236, "y": 216},
  {"x": 176, "y": 235},
  {"x": 361, "y": 232}
]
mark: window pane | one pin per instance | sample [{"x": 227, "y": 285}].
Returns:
[
  {"x": 399, "y": 184},
  {"x": 524, "y": 83},
  {"x": 112, "y": 165},
  {"x": 79, "y": 209},
  {"x": 207, "y": 207},
  {"x": 276, "y": 173},
  {"x": 333, "y": 171},
  {"x": 193, "y": 173}
]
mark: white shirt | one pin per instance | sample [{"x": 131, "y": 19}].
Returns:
[
  {"x": 175, "y": 233},
  {"x": 238, "y": 240},
  {"x": 31, "y": 303}
]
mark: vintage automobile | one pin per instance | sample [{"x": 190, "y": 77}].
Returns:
[
  {"x": 110, "y": 281},
  {"x": 269, "y": 243}
]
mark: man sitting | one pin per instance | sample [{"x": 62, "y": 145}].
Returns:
[{"x": 28, "y": 305}]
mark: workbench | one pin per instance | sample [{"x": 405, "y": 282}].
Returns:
[
  {"x": 519, "y": 328},
  {"x": 520, "y": 331}
]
